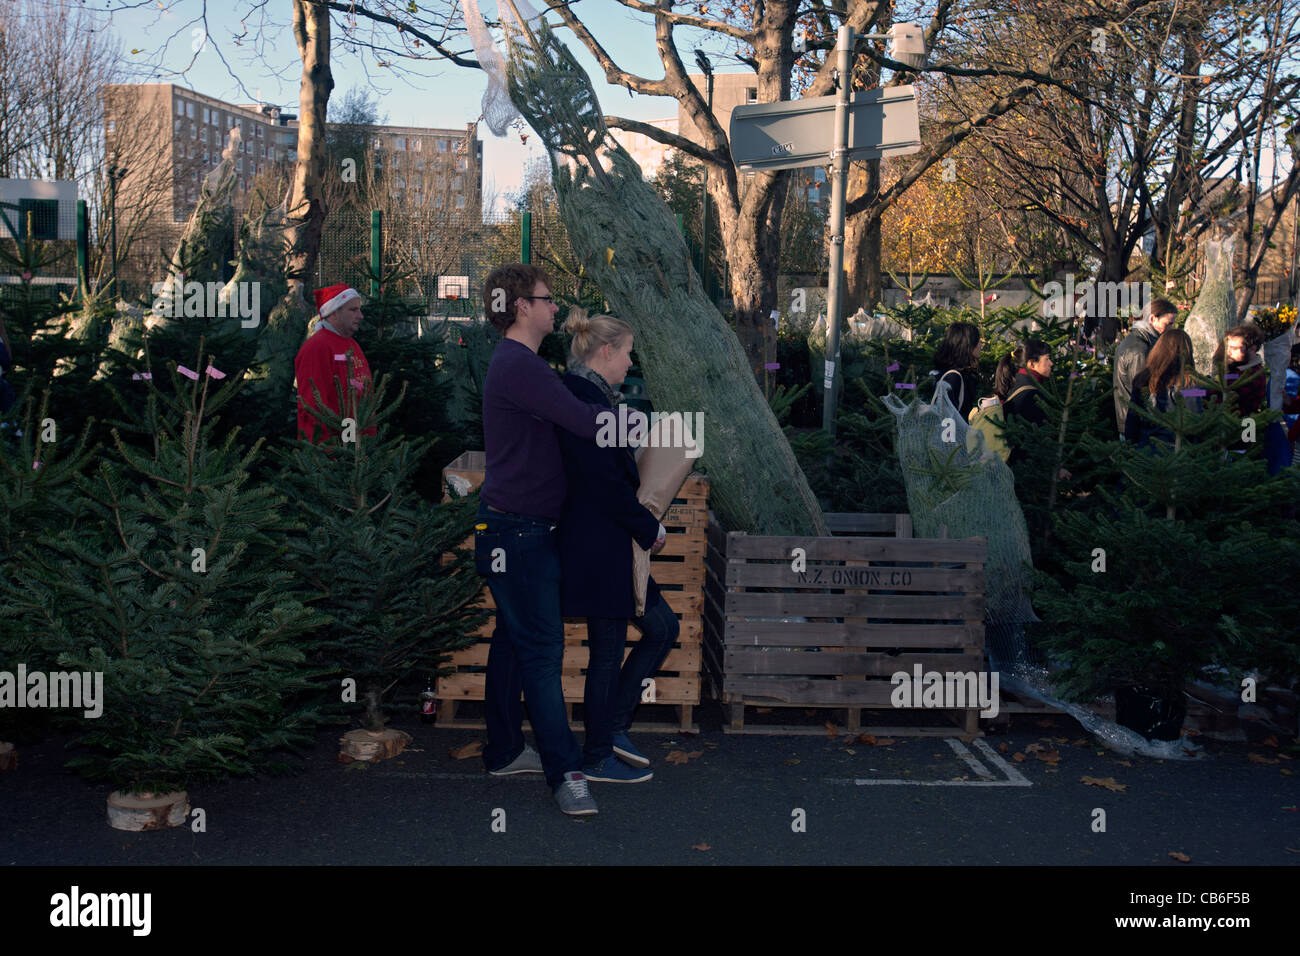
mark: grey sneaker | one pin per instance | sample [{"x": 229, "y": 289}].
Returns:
[
  {"x": 573, "y": 796},
  {"x": 528, "y": 761}
]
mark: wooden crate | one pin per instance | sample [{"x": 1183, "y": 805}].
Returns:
[
  {"x": 874, "y": 601},
  {"x": 678, "y": 570}
]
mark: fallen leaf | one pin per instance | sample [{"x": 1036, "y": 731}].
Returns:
[
  {"x": 1289, "y": 850},
  {"x": 867, "y": 739},
  {"x": 694, "y": 753},
  {"x": 810, "y": 712},
  {"x": 1060, "y": 740},
  {"x": 1286, "y": 771},
  {"x": 1019, "y": 758},
  {"x": 1284, "y": 756},
  {"x": 1043, "y": 722},
  {"x": 1269, "y": 741},
  {"x": 701, "y": 846},
  {"x": 1081, "y": 742},
  {"x": 831, "y": 730},
  {"x": 357, "y": 765},
  {"x": 1049, "y": 756},
  {"x": 849, "y": 750},
  {"x": 792, "y": 762},
  {"x": 1260, "y": 758},
  {"x": 1003, "y": 747},
  {"x": 677, "y": 756},
  {"x": 762, "y": 710},
  {"x": 1181, "y": 857},
  {"x": 1035, "y": 748},
  {"x": 885, "y": 741},
  {"x": 711, "y": 746},
  {"x": 1123, "y": 763},
  {"x": 469, "y": 750},
  {"x": 1107, "y": 782}
]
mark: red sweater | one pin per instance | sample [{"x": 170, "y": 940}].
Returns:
[{"x": 326, "y": 355}]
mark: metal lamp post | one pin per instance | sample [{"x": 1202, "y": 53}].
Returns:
[
  {"x": 872, "y": 124},
  {"x": 909, "y": 48},
  {"x": 707, "y": 69},
  {"x": 115, "y": 174}
]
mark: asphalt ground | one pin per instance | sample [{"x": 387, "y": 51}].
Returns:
[
  {"x": 918, "y": 841},
  {"x": 735, "y": 800}
]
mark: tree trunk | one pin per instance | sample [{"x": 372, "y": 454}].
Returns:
[
  {"x": 863, "y": 270},
  {"x": 306, "y": 213}
]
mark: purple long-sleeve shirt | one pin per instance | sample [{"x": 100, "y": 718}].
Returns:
[{"x": 523, "y": 403}]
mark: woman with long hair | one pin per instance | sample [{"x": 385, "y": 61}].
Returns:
[
  {"x": 1166, "y": 376},
  {"x": 601, "y": 519},
  {"x": 956, "y": 362}
]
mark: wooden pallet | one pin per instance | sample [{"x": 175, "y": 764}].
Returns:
[
  {"x": 874, "y": 601},
  {"x": 678, "y": 569}
]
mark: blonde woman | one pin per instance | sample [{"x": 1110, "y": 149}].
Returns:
[{"x": 601, "y": 518}]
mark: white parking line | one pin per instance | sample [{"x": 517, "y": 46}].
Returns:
[{"x": 1014, "y": 778}]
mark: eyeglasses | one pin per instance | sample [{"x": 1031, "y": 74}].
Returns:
[{"x": 544, "y": 298}]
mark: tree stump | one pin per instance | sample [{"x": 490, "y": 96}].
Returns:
[
  {"x": 147, "y": 811},
  {"x": 8, "y": 756},
  {"x": 369, "y": 745}
]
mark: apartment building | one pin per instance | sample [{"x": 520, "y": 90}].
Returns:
[
  {"x": 433, "y": 169},
  {"x": 188, "y": 130}
]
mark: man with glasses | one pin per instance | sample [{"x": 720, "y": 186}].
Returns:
[{"x": 523, "y": 494}]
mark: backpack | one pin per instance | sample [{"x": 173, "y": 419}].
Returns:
[{"x": 988, "y": 421}]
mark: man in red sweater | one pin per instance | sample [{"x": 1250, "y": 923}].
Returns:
[{"x": 331, "y": 353}]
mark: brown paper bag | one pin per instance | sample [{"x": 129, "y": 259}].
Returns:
[{"x": 662, "y": 472}]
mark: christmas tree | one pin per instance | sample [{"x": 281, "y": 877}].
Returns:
[
  {"x": 169, "y": 580},
  {"x": 384, "y": 558},
  {"x": 1187, "y": 568}
]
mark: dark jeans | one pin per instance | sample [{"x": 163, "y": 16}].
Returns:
[
  {"x": 613, "y": 693},
  {"x": 527, "y": 648}
]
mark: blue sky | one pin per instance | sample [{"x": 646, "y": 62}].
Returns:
[{"x": 432, "y": 93}]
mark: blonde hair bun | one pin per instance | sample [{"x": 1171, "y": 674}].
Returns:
[{"x": 577, "y": 321}]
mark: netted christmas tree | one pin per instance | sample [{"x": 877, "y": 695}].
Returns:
[
  {"x": 384, "y": 558},
  {"x": 169, "y": 579},
  {"x": 628, "y": 243}
]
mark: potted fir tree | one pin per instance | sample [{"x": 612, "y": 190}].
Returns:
[
  {"x": 1177, "y": 575},
  {"x": 378, "y": 552},
  {"x": 166, "y": 579}
]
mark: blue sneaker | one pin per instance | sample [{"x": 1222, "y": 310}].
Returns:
[
  {"x": 613, "y": 770},
  {"x": 623, "y": 747}
]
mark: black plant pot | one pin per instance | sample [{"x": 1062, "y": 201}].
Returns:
[{"x": 1152, "y": 715}]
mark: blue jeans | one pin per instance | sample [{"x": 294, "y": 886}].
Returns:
[
  {"x": 613, "y": 692},
  {"x": 527, "y": 650}
]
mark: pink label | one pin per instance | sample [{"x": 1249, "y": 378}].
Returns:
[{"x": 188, "y": 373}]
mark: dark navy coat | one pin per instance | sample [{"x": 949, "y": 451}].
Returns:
[{"x": 601, "y": 519}]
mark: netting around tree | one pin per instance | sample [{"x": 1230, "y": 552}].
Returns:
[
  {"x": 956, "y": 485},
  {"x": 1215, "y": 310},
  {"x": 969, "y": 491}
]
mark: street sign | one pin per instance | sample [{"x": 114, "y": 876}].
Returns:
[{"x": 796, "y": 133}]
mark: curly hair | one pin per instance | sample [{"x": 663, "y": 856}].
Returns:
[{"x": 505, "y": 286}]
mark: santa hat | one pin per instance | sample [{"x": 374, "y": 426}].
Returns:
[{"x": 332, "y": 298}]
